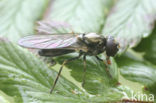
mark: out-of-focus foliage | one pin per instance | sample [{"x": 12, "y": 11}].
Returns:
[
  {"x": 130, "y": 20},
  {"x": 5, "y": 99},
  {"x": 138, "y": 71},
  {"x": 148, "y": 47},
  {"x": 84, "y": 15},
  {"x": 18, "y": 17}
]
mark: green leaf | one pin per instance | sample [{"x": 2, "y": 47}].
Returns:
[
  {"x": 148, "y": 48},
  {"x": 98, "y": 79},
  {"x": 83, "y": 15},
  {"x": 5, "y": 98},
  {"x": 138, "y": 71},
  {"x": 131, "y": 20},
  {"x": 28, "y": 79},
  {"x": 19, "y": 16}
]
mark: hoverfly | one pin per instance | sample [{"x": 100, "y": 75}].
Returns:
[{"x": 89, "y": 44}]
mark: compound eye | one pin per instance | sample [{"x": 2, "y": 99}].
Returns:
[{"x": 111, "y": 46}]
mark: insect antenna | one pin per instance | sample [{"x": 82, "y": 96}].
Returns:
[{"x": 58, "y": 75}]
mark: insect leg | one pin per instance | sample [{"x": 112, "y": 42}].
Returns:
[
  {"x": 99, "y": 58},
  {"x": 106, "y": 63},
  {"x": 108, "y": 60},
  {"x": 84, "y": 74},
  {"x": 58, "y": 75},
  {"x": 49, "y": 60}
]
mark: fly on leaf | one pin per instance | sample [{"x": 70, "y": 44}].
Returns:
[{"x": 90, "y": 44}]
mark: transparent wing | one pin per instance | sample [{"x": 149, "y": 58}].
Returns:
[{"x": 48, "y": 41}]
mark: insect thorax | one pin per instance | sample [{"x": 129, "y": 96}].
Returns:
[{"x": 94, "y": 42}]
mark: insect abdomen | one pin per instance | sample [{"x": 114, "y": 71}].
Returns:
[{"x": 53, "y": 52}]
